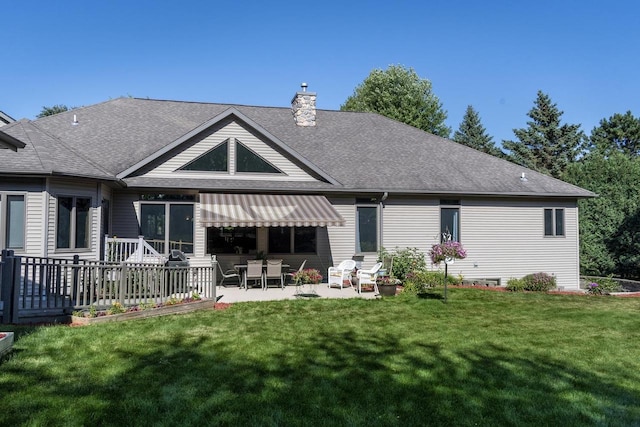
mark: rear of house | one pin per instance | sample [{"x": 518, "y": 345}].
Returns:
[{"x": 239, "y": 181}]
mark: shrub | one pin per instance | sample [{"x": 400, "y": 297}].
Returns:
[
  {"x": 405, "y": 261},
  {"x": 603, "y": 286},
  {"x": 418, "y": 282},
  {"x": 538, "y": 282},
  {"x": 116, "y": 308},
  {"x": 515, "y": 285}
]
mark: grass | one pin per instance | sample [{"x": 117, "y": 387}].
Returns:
[{"x": 484, "y": 358}]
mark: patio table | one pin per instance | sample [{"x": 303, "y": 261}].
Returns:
[{"x": 242, "y": 269}]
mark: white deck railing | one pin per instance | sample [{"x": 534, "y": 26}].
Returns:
[{"x": 131, "y": 250}]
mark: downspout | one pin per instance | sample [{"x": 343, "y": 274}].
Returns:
[
  {"x": 381, "y": 204},
  {"x": 47, "y": 195}
]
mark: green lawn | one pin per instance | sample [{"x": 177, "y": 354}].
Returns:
[{"x": 484, "y": 358}]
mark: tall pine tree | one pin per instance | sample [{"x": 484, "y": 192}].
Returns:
[
  {"x": 620, "y": 132},
  {"x": 545, "y": 145},
  {"x": 471, "y": 133}
]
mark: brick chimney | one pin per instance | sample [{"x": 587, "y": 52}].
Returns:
[{"x": 303, "y": 106}]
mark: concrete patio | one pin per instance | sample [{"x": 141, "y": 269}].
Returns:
[{"x": 230, "y": 294}]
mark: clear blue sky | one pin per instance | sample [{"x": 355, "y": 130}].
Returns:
[{"x": 493, "y": 55}]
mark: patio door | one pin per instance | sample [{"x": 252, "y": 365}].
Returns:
[{"x": 167, "y": 226}]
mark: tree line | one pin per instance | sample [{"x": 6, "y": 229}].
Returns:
[{"x": 606, "y": 162}]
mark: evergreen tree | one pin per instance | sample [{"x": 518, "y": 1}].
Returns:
[
  {"x": 545, "y": 145},
  {"x": 474, "y": 135},
  {"x": 618, "y": 133},
  {"x": 400, "y": 94}
]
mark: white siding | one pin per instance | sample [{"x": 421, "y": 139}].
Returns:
[
  {"x": 410, "y": 223},
  {"x": 124, "y": 214},
  {"x": 230, "y": 130},
  {"x": 505, "y": 239},
  {"x": 343, "y": 239}
]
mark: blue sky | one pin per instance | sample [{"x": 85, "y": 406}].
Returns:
[{"x": 493, "y": 55}]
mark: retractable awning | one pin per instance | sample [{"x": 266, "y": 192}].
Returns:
[{"x": 266, "y": 210}]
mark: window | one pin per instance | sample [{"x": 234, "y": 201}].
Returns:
[
  {"x": 450, "y": 224},
  {"x": 231, "y": 240},
  {"x": 554, "y": 222},
  {"x": 14, "y": 221},
  {"x": 73, "y": 226},
  {"x": 176, "y": 218},
  {"x": 214, "y": 160},
  {"x": 248, "y": 161},
  {"x": 298, "y": 240},
  {"x": 367, "y": 229}
]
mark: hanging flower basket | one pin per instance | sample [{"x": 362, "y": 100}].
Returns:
[{"x": 447, "y": 252}]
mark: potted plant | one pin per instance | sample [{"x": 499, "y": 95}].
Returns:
[
  {"x": 6, "y": 342},
  {"x": 307, "y": 276},
  {"x": 387, "y": 285}
]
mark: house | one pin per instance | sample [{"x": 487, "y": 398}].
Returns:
[
  {"x": 297, "y": 183},
  {"x": 5, "y": 119}
]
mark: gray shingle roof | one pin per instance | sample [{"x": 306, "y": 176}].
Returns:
[{"x": 361, "y": 151}]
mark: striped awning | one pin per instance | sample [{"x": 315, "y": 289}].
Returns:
[{"x": 266, "y": 210}]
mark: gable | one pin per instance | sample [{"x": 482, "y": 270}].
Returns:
[{"x": 230, "y": 151}]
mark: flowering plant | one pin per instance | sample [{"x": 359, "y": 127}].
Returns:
[
  {"x": 388, "y": 280},
  {"x": 308, "y": 275},
  {"x": 448, "y": 249}
]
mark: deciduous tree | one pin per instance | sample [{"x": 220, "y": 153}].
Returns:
[
  {"x": 399, "y": 93},
  {"x": 49, "y": 111}
]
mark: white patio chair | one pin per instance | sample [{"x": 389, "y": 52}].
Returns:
[
  {"x": 254, "y": 272},
  {"x": 368, "y": 277},
  {"x": 228, "y": 274},
  {"x": 274, "y": 271},
  {"x": 338, "y": 275}
]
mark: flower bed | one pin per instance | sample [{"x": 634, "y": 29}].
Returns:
[
  {"x": 6, "y": 342},
  {"x": 141, "y": 312}
]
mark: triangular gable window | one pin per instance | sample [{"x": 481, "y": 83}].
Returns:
[
  {"x": 214, "y": 160},
  {"x": 248, "y": 161}
]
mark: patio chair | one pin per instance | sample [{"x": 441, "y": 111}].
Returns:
[
  {"x": 228, "y": 274},
  {"x": 274, "y": 271},
  {"x": 253, "y": 272},
  {"x": 368, "y": 277},
  {"x": 341, "y": 274}
]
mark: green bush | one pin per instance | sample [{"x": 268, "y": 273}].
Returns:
[
  {"x": 603, "y": 286},
  {"x": 405, "y": 261},
  {"x": 418, "y": 282},
  {"x": 515, "y": 285},
  {"x": 537, "y": 282}
]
